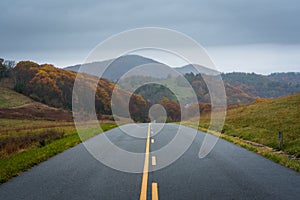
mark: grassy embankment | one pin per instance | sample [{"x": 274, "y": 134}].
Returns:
[
  {"x": 25, "y": 143},
  {"x": 10, "y": 98},
  {"x": 260, "y": 123}
]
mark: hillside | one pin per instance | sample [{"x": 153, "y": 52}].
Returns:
[
  {"x": 14, "y": 105},
  {"x": 292, "y": 78},
  {"x": 234, "y": 94},
  {"x": 53, "y": 86},
  {"x": 10, "y": 98},
  {"x": 262, "y": 120},
  {"x": 182, "y": 87}
]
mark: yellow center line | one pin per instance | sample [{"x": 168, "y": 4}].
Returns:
[
  {"x": 143, "y": 195},
  {"x": 153, "y": 160},
  {"x": 154, "y": 191}
]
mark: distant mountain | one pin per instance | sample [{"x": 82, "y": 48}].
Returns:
[
  {"x": 195, "y": 69},
  {"x": 240, "y": 87},
  {"x": 115, "y": 68}
]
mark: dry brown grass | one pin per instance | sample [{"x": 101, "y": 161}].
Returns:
[{"x": 11, "y": 145}]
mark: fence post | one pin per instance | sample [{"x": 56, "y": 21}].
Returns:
[{"x": 280, "y": 138}]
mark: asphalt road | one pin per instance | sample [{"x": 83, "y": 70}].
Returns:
[{"x": 228, "y": 172}]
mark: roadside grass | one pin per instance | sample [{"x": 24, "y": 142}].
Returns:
[
  {"x": 260, "y": 123},
  {"x": 10, "y": 98},
  {"x": 269, "y": 153},
  {"x": 11, "y": 145},
  {"x": 22, "y": 149},
  {"x": 276, "y": 156}
]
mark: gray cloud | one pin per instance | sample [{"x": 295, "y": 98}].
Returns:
[{"x": 57, "y": 26}]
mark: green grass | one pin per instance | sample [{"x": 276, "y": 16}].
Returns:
[
  {"x": 10, "y": 98},
  {"x": 32, "y": 155},
  {"x": 260, "y": 122},
  {"x": 14, "y": 165}
]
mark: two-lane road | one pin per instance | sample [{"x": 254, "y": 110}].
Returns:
[{"x": 228, "y": 172}]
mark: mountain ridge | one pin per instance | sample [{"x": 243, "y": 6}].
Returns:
[{"x": 248, "y": 85}]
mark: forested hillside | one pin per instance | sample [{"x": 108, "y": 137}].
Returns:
[
  {"x": 53, "y": 86},
  {"x": 234, "y": 94},
  {"x": 241, "y": 88},
  {"x": 255, "y": 85},
  {"x": 292, "y": 78}
]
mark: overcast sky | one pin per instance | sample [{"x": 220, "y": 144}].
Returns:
[{"x": 259, "y": 36}]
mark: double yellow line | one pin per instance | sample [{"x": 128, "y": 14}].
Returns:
[{"x": 143, "y": 195}]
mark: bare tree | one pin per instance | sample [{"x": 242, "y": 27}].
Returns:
[{"x": 6, "y": 67}]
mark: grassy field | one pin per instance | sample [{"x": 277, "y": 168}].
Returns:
[
  {"x": 260, "y": 122},
  {"x": 10, "y": 98},
  {"x": 25, "y": 143},
  {"x": 10, "y": 127}
]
